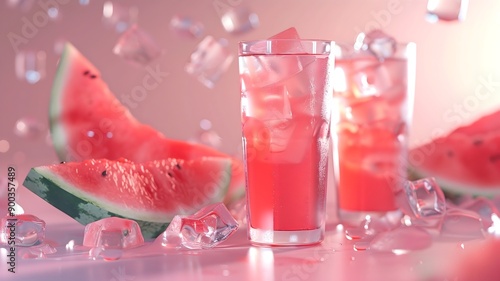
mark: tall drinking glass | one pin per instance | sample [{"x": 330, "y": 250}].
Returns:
[
  {"x": 372, "y": 114},
  {"x": 286, "y": 101}
]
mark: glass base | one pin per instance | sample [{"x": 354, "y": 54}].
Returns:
[
  {"x": 354, "y": 218},
  {"x": 286, "y": 238}
]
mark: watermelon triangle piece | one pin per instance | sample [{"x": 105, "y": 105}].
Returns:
[
  {"x": 151, "y": 193},
  {"x": 87, "y": 121}
]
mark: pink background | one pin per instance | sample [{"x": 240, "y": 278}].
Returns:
[{"x": 454, "y": 61}]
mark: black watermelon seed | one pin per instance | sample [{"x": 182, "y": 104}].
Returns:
[
  {"x": 93, "y": 76},
  {"x": 170, "y": 174},
  {"x": 86, "y": 72},
  {"x": 178, "y": 166},
  {"x": 63, "y": 162},
  {"x": 104, "y": 173},
  {"x": 494, "y": 158},
  {"x": 478, "y": 142},
  {"x": 450, "y": 153}
]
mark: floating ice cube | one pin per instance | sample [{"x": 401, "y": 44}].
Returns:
[
  {"x": 25, "y": 230},
  {"x": 239, "y": 19},
  {"x": 425, "y": 197},
  {"x": 462, "y": 224},
  {"x": 377, "y": 43},
  {"x": 209, "y": 61},
  {"x": 30, "y": 66},
  {"x": 270, "y": 103},
  {"x": 186, "y": 26},
  {"x": 28, "y": 127},
  {"x": 118, "y": 16},
  {"x": 137, "y": 46},
  {"x": 108, "y": 237},
  {"x": 205, "y": 229},
  {"x": 446, "y": 10},
  {"x": 402, "y": 240}
]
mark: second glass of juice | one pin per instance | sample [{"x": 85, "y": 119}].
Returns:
[
  {"x": 286, "y": 101},
  {"x": 373, "y": 102}
]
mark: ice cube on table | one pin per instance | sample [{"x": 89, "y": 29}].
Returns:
[
  {"x": 239, "y": 19},
  {"x": 209, "y": 61},
  {"x": 137, "y": 46},
  {"x": 37, "y": 252},
  {"x": 118, "y": 16},
  {"x": 377, "y": 43},
  {"x": 462, "y": 224},
  {"x": 446, "y": 10},
  {"x": 187, "y": 26},
  {"x": 30, "y": 65},
  {"x": 26, "y": 230},
  {"x": 109, "y": 236},
  {"x": 425, "y": 198},
  {"x": 205, "y": 229}
]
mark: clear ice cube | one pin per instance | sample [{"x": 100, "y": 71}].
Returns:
[
  {"x": 446, "y": 10},
  {"x": 30, "y": 66},
  {"x": 109, "y": 236},
  {"x": 28, "y": 127},
  {"x": 209, "y": 61},
  {"x": 25, "y": 230},
  {"x": 239, "y": 19},
  {"x": 137, "y": 46},
  {"x": 462, "y": 224},
  {"x": 186, "y": 26},
  {"x": 118, "y": 16},
  {"x": 377, "y": 43},
  {"x": 205, "y": 229},
  {"x": 425, "y": 197}
]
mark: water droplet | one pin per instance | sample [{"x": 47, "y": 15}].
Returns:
[
  {"x": 90, "y": 134},
  {"x": 28, "y": 127}
]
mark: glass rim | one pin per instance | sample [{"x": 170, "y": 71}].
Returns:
[{"x": 265, "y": 47}]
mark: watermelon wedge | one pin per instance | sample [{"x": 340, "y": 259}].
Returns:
[
  {"x": 151, "y": 193},
  {"x": 88, "y": 122},
  {"x": 466, "y": 161}
]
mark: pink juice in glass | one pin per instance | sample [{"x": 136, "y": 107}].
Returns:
[
  {"x": 285, "y": 105},
  {"x": 372, "y": 119}
]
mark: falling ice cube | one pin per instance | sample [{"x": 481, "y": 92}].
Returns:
[
  {"x": 118, "y": 16},
  {"x": 239, "y": 19},
  {"x": 446, "y": 10},
  {"x": 186, "y": 26},
  {"x": 209, "y": 61},
  {"x": 108, "y": 237},
  {"x": 462, "y": 224},
  {"x": 137, "y": 46},
  {"x": 25, "y": 230},
  {"x": 28, "y": 127},
  {"x": 377, "y": 43},
  {"x": 205, "y": 229},
  {"x": 425, "y": 197},
  {"x": 30, "y": 66}
]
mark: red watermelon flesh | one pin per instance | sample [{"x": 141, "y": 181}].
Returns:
[
  {"x": 151, "y": 193},
  {"x": 88, "y": 122},
  {"x": 467, "y": 160}
]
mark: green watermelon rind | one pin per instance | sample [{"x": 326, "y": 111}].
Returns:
[
  {"x": 453, "y": 189},
  {"x": 56, "y": 130},
  {"x": 85, "y": 210}
]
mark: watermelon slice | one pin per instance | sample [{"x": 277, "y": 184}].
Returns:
[
  {"x": 466, "y": 161},
  {"x": 151, "y": 193},
  {"x": 88, "y": 122}
]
